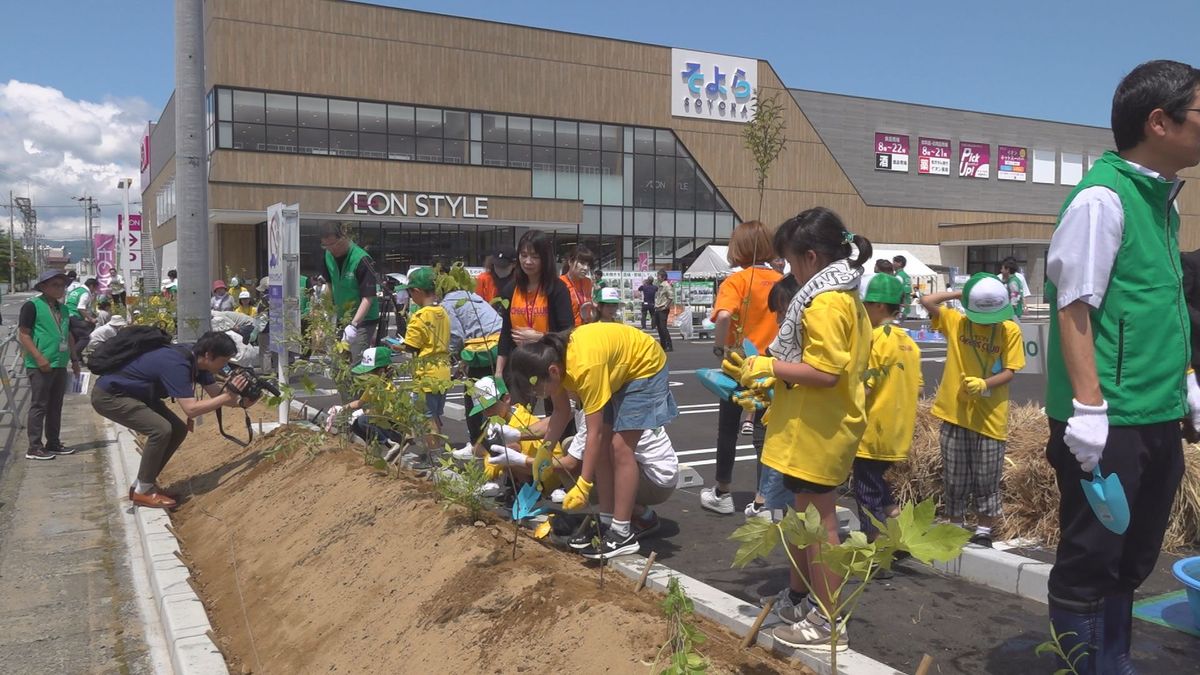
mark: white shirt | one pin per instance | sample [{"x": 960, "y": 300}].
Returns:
[
  {"x": 85, "y": 301},
  {"x": 654, "y": 452},
  {"x": 1084, "y": 247}
]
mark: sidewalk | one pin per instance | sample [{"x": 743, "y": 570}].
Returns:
[{"x": 67, "y": 600}]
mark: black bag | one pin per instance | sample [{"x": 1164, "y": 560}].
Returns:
[{"x": 129, "y": 343}]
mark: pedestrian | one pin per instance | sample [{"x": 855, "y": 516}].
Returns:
[
  {"x": 510, "y": 448},
  {"x": 246, "y": 305},
  {"x": 103, "y": 310},
  {"x": 103, "y": 333},
  {"x": 170, "y": 285},
  {"x": 538, "y": 302},
  {"x": 220, "y": 300},
  {"x": 45, "y": 336},
  {"x": 73, "y": 281},
  {"x": 133, "y": 397},
  {"x": 884, "y": 267},
  {"x": 475, "y": 328},
  {"x": 817, "y": 419},
  {"x": 899, "y": 262},
  {"x": 1010, "y": 275},
  {"x": 1118, "y": 378},
  {"x": 497, "y": 272},
  {"x": 236, "y": 288},
  {"x": 576, "y": 274},
  {"x": 116, "y": 291},
  {"x": 984, "y": 350},
  {"x": 740, "y": 313},
  {"x": 81, "y": 310},
  {"x": 648, "y": 291},
  {"x": 620, "y": 376},
  {"x": 428, "y": 340},
  {"x": 664, "y": 299},
  {"x": 610, "y": 303},
  {"x": 354, "y": 286}
]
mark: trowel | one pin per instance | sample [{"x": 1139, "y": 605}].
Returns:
[
  {"x": 718, "y": 382},
  {"x": 1106, "y": 496}
]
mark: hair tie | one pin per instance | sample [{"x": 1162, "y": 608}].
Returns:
[{"x": 848, "y": 237}]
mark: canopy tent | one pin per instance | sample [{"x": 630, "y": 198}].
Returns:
[
  {"x": 914, "y": 267},
  {"x": 710, "y": 264}
]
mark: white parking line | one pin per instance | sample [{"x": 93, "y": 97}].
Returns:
[
  {"x": 707, "y": 462},
  {"x": 702, "y": 451}
]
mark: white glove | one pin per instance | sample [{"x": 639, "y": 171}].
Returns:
[
  {"x": 1193, "y": 390},
  {"x": 505, "y": 456},
  {"x": 331, "y": 415},
  {"x": 1087, "y": 433},
  {"x": 350, "y": 332},
  {"x": 509, "y": 434}
]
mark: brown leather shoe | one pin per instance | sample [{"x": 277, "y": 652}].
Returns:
[{"x": 154, "y": 500}]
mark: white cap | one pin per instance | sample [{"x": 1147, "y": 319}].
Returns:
[
  {"x": 610, "y": 295},
  {"x": 985, "y": 299},
  {"x": 116, "y": 321},
  {"x": 234, "y": 281},
  {"x": 244, "y": 295}
]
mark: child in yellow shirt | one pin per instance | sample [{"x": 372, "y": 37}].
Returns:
[
  {"x": 984, "y": 350},
  {"x": 512, "y": 446},
  {"x": 428, "y": 339}
]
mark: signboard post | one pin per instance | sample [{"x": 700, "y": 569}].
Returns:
[{"x": 283, "y": 269}]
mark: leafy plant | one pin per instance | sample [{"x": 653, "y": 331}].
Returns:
[
  {"x": 765, "y": 137},
  {"x": 913, "y": 531},
  {"x": 462, "y": 486},
  {"x": 156, "y": 310},
  {"x": 683, "y": 636},
  {"x": 1070, "y": 657}
]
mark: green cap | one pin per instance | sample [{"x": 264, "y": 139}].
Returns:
[
  {"x": 885, "y": 288},
  {"x": 487, "y": 392},
  {"x": 375, "y": 357},
  {"x": 424, "y": 279},
  {"x": 985, "y": 299}
]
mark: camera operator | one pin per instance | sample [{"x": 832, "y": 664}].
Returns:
[{"x": 132, "y": 397}]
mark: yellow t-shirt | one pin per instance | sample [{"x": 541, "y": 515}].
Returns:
[
  {"x": 815, "y": 432},
  {"x": 429, "y": 333},
  {"x": 603, "y": 357},
  {"x": 522, "y": 419},
  {"x": 894, "y": 381},
  {"x": 974, "y": 350},
  {"x": 250, "y": 311}
]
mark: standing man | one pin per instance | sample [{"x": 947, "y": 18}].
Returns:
[
  {"x": 648, "y": 291},
  {"x": 44, "y": 333},
  {"x": 664, "y": 297},
  {"x": 898, "y": 264},
  {"x": 1011, "y": 276},
  {"x": 355, "y": 288},
  {"x": 82, "y": 315},
  {"x": 1118, "y": 379}
]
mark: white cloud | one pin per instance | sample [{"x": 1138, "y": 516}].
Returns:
[{"x": 54, "y": 148}]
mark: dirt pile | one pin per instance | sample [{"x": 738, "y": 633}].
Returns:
[{"x": 311, "y": 562}]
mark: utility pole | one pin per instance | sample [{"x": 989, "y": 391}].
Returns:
[
  {"x": 12, "y": 261},
  {"x": 191, "y": 172}
]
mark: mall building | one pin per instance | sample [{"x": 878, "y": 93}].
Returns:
[{"x": 438, "y": 138}]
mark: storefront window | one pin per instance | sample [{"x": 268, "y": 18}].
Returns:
[
  {"x": 495, "y": 129},
  {"x": 249, "y": 106},
  {"x": 372, "y": 117},
  {"x": 400, "y": 120},
  {"x": 343, "y": 143},
  {"x": 313, "y": 112},
  {"x": 281, "y": 109},
  {"x": 343, "y": 115},
  {"x": 518, "y": 130}
]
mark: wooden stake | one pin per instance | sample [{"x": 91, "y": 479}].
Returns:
[
  {"x": 926, "y": 664},
  {"x": 174, "y": 533},
  {"x": 754, "y": 628},
  {"x": 213, "y": 636},
  {"x": 646, "y": 571}
]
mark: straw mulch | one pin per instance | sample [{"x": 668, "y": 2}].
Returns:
[{"x": 1030, "y": 492}]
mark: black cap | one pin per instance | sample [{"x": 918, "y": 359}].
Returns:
[{"x": 506, "y": 254}]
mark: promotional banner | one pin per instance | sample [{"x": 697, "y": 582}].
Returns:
[
  {"x": 933, "y": 156},
  {"x": 106, "y": 258},
  {"x": 283, "y": 270},
  {"x": 891, "y": 152},
  {"x": 133, "y": 240},
  {"x": 974, "y": 160},
  {"x": 1012, "y": 163},
  {"x": 712, "y": 86}
]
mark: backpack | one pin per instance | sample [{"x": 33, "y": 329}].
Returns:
[{"x": 129, "y": 343}]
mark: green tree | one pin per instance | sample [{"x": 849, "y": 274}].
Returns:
[
  {"x": 765, "y": 137},
  {"x": 24, "y": 270}
]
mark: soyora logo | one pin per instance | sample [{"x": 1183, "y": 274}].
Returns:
[{"x": 712, "y": 86}]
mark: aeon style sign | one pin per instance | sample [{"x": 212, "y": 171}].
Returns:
[{"x": 712, "y": 86}]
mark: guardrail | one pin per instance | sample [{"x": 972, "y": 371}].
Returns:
[{"x": 12, "y": 375}]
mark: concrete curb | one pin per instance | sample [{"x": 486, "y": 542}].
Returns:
[
  {"x": 184, "y": 621},
  {"x": 997, "y": 568}
]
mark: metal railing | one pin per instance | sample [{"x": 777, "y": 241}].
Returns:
[{"x": 12, "y": 375}]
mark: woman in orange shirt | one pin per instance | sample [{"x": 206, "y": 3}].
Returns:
[
  {"x": 537, "y": 301},
  {"x": 741, "y": 311},
  {"x": 576, "y": 275},
  {"x": 497, "y": 271}
]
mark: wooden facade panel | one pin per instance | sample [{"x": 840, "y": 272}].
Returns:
[{"x": 238, "y": 250}]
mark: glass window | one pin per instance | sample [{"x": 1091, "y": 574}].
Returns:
[
  {"x": 476, "y": 127},
  {"x": 643, "y": 180},
  {"x": 724, "y": 228},
  {"x": 518, "y": 156},
  {"x": 494, "y": 154},
  {"x": 612, "y": 186},
  {"x": 566, "y": 134},
  {"x": 281, "y": 109},
  {"x": 664, "y": 182},
  {"x": 224, "y": 134},
  {"x": 401, "y": 147},
  {"x": 249, "y": 106},
  {"x": 343, "y": 143},
  {"x": 680, "y": 151},
  {"x": 313, "y": 112},
  {"x": 456, "y": 125},
  {"x": 705, "y": 199},
  {"x": 704, "y": 224},
  {"x": 428, "y": 149},
  {"x": 249, "y": 136},
  {"x": 476, "y": 153},
  {"x": 610, "y": 220},
  {"x": 627, "y": 177},
  {"x": 518, "y": 130},
  {"x": 566, "y": 172},
  {"x": 627, "y": 139},
  {"x": 543, "y": 132},
  {"x": 343, "y": 114},
  {"x": 281, "y": 139},
  {"x": 224, "y": 105},
  {"x": 643, "y": 223},
  {"x": 685, "y": 183},
  {"x": 610, "y": 138},
  {"x": 314, "y": 141},
  {"x": 589, "y": 136},
  {"x": 685, "y": 223},
  {"x": 372, "y": 117},
  {"x": 591, "y": 225},
  {"x": 643, "y": 141},
  {"x": 664, "y": 142},
  {"x": 429, "y": 123},
  {"x": 589, "y": 176},
  {"x": 372, "y": 145},
  {"x": 543, "y": 171},
  {"x": 454, "y": 152},
  {"x": 400, "y": 120},
  {"x": 495, "y": 128}
]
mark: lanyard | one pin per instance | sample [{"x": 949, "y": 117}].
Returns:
[
  {"x": 529, "y": 305},
  {"x": 983, "y": 367}
]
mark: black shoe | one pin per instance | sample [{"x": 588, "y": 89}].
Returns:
[
  {"x": 981, "y": 539},
  {"x": 38, "y": 454},
  {"x": 582, "y": 539},
  {"x": 644, "y": 527},
  {"x": 61, "y": 450},
  {"x": 612, "y": 546}
]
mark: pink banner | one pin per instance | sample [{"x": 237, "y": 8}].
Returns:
[
  {"x": 974, "y": 160},
  {"x": 106, "y": 257},
  {"x": 891, "y": 152},
  {"x": 933, "y": 156}
]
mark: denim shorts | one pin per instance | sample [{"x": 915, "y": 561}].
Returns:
[
  {"x": 435, "y": 404},
  {"x": 645, "y": 403}
]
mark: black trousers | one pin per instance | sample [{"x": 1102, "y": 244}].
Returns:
[
  {"x": 729, "y": 424},
  {"x": 660, "y": 324},
  {"x": 46, "y": 392},
  {"x": 647, "y": 310},
  {"x": 1092, "y": 562},
  {"x": 82, "y": 332}
]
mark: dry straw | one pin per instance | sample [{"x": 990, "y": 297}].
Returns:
[{"x": 1030, "y": 493}]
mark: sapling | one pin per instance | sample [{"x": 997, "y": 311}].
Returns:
[
  {"x": 682, "y": 635},
  {"x": 1054, "y": 646}
]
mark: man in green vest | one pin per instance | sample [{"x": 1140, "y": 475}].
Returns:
[
  {"x": 898, "y": 264},
  {"x": 45, "y": 335},
  {"x": 355, "y": 288},
  {"x": 1118, "y": 380},
  {"x": 81, "y": 308}
]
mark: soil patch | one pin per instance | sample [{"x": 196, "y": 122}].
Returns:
[{"x": 312, "y": 562}]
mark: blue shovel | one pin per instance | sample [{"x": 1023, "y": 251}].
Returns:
[
  {"x": 1106, "y": 496},
  {"x": 720, "y": 384}
]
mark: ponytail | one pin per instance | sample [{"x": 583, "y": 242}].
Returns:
[
  {"x": 863, "y": 245},
  {"x": 822, "y": 231},
  {"x": 533, "y": 360}
]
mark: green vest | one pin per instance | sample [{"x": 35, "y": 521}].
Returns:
[
  {"x": 49, "y": 339},
  {"x": 1141, "y": 331},
  {"x": 73, "y": 302},
  {"x": 304, "y": 295},
  {"x": 345, "y": 285}
]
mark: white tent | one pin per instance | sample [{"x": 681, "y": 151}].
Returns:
[
  {"x": 710, "y": 264},
  {"x": 914, "y": 267}
]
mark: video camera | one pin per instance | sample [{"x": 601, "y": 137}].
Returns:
[{"x": 255, "y": 383}]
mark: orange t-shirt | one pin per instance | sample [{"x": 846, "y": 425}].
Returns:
[
  {"x": 751, "y": 319},
  {"x": 529, "y": 312},
  {"x": 581, "y": 294},
  {"x": 485, "y": 286}
]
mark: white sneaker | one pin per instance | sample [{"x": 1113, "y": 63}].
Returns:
[
  {"x": 558, "y": 496},
  {"x": 722, "y": 504},
  {"x": 756, "y": 510},
  {"x": 393, "y": 449},
  {"x": 813, "y": 632},
  {"x": 464, "y": 454}
]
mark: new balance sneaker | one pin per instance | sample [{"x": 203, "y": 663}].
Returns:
[
  {"x": 39, "y": 454},
  {"x": 811, "y": 632},
  {"x": 464, "y": 454},
  {"x": 981, "y": 539},
  {"x": 709, "y": 499},
  {"x": 612, "y": 546},
  {"x": 784, "y": 606},
  {"x": 61, "y": 450}
]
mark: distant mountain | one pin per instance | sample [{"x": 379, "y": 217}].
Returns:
[{"x": 76, "y": 248}]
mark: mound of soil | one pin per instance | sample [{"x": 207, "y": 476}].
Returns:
[{"x": 312, "y": 562}]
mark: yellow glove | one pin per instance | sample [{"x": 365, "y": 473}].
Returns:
[
  {"x": 753, "y": 371},
  {"x": 751, "y": 399},
  {"x": 766, "y": 419},
  {"x": 974, "y": 386},
  {"x": 577, "y": 498}
]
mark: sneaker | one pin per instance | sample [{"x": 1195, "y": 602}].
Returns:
[
  {"x": 709, "y": 499},
  {"x": 981, "y": 539},
  {"x": 393, "y": 450},
  {"x": 558, "y": 495},
  {"x": 748, "y": 428},
  {"x": 38, "y": 454},
  {"x": 464, "y": 454},
  {"x": 784, "y": 604},
  {"x": 644, "y": 527},
  {"x": 812, "y": 632},
  {"x": 612, "y": 546},
  {"x": 61, "y": 450},
  {"x": 490, "y": 489},
  {"x": 582, "y": 539},
  {"x": 756, "y": 510}
]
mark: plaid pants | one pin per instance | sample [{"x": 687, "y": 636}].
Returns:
[{"x": 972, "y": 465}]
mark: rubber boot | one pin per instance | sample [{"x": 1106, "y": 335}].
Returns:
[
  {"x": 1080, "y": 630},
  {"x": 1118, "y": 634}
]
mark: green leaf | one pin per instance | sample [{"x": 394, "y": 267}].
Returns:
[
  {"x": 887, "y": 329},
  {"x": 1045, "y": 648},
  {"x": 758, "y": 538},
  {"x": 900, "y": 365},
  {"x": 274, "y": 401},
  {"x": 914, "y": 531},
  {"x": 805, "y": 530}
]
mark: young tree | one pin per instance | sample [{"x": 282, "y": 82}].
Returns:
[{"x": 765, "y": 138}]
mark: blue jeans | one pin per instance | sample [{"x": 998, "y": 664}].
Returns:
[{"x": 775, "y": 495}]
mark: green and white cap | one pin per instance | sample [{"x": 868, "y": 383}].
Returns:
[
  {"x": 985, "y": 299},
  {"x": 610, "y": 296},
  {"x": 375, "y": 357},
  {"x": 885, "y": 288},
  {"x": 487, "y": 392}
]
